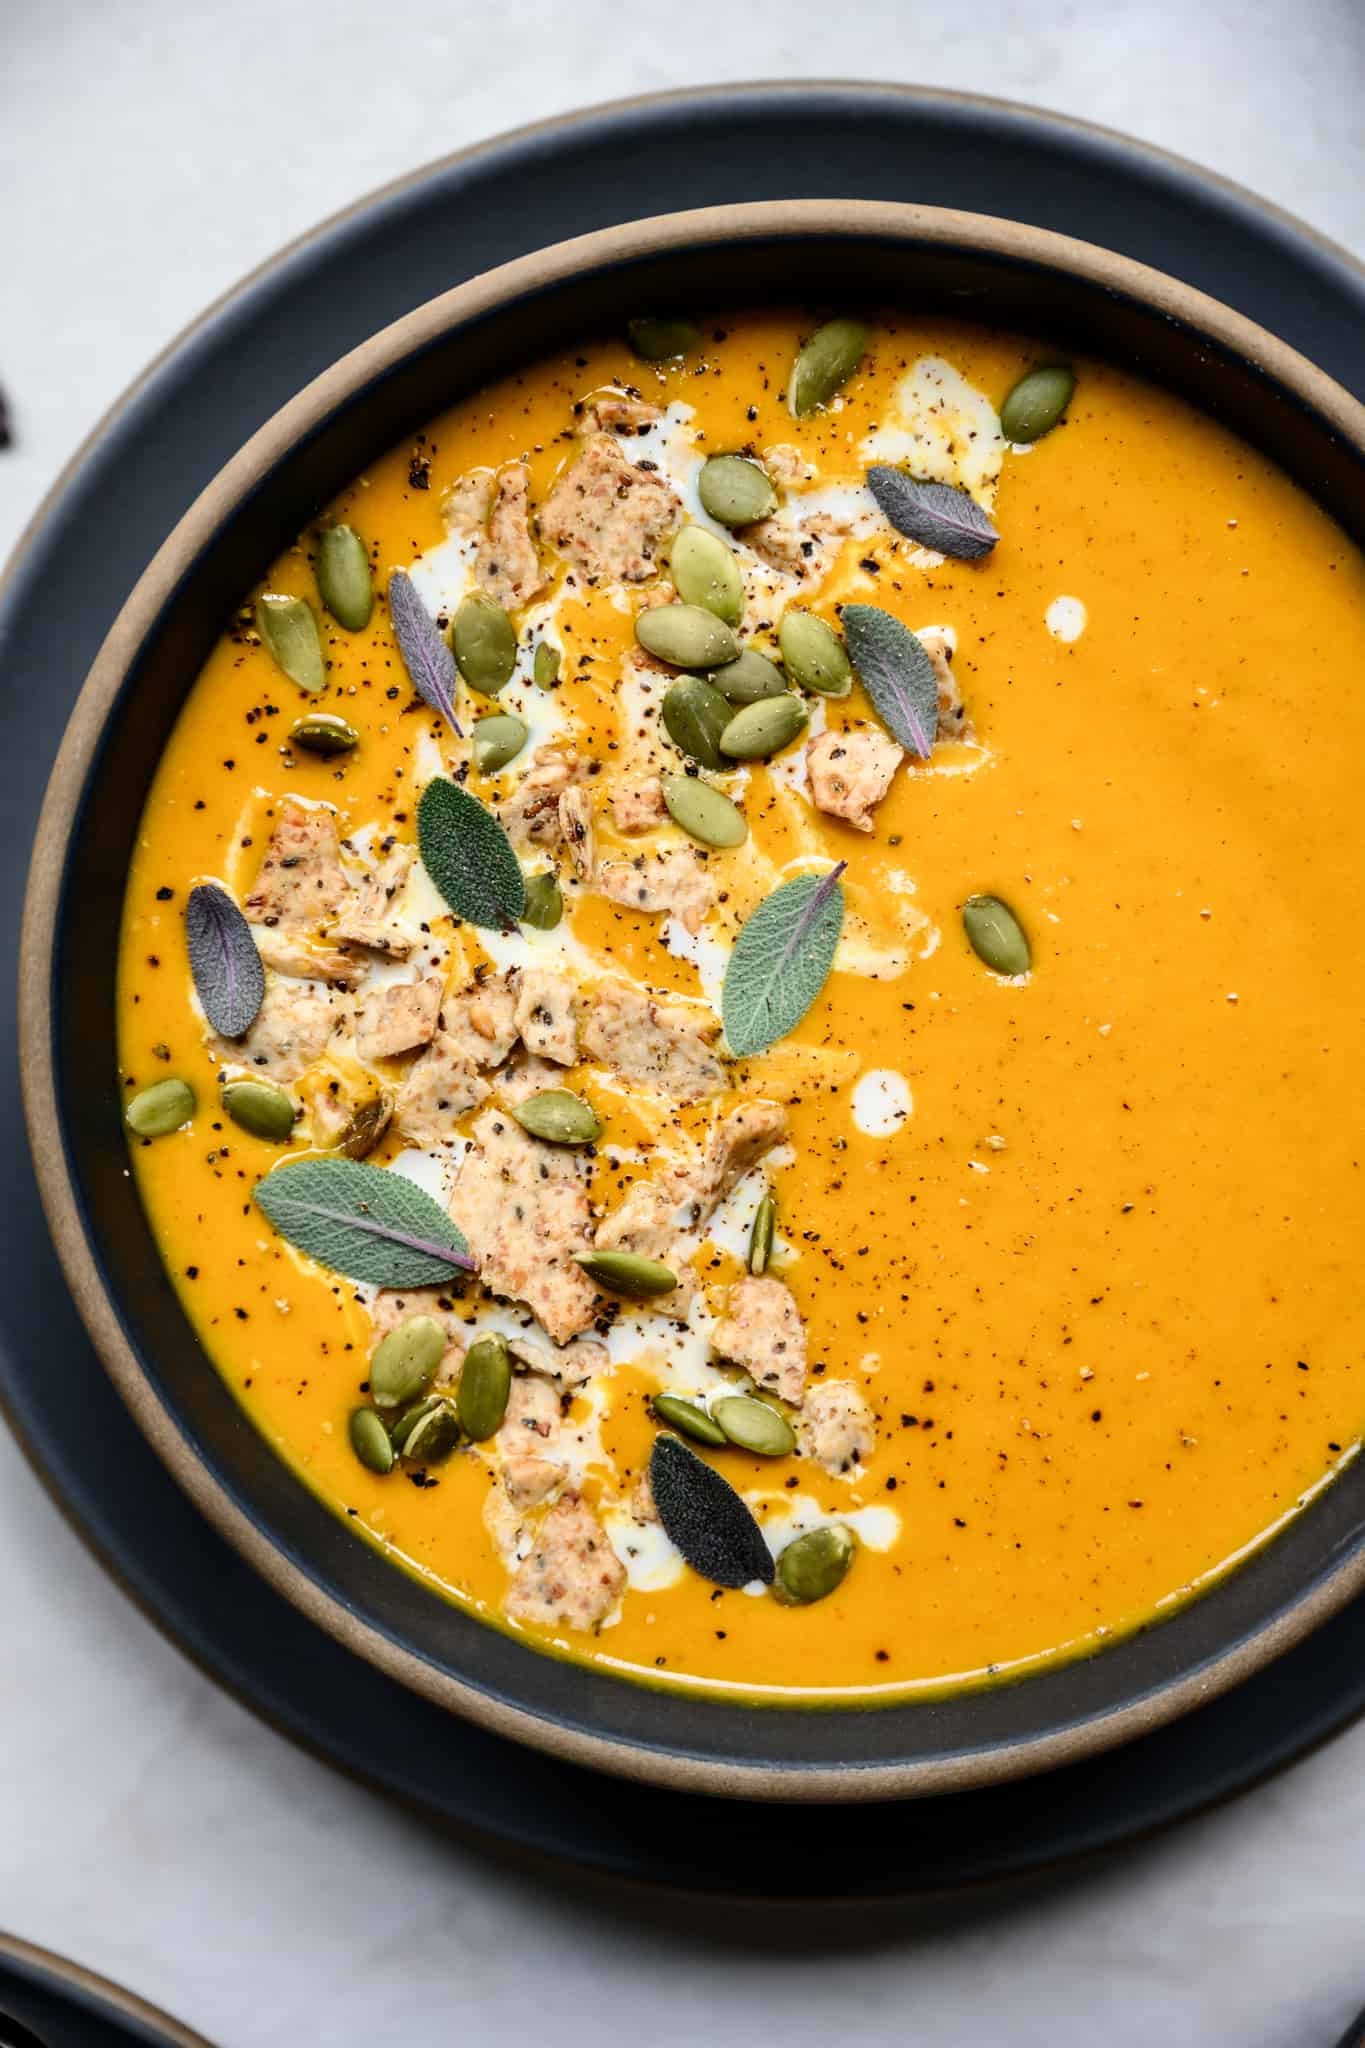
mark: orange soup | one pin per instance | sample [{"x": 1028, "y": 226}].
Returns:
[{"x": 733, "y": 1017}]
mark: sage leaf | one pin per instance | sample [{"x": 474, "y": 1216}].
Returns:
[
  {"x": 703, "y": 1515},
  {"x": 469, "y": 857},
  {"x": 364, "y": 1221},
  {"x": 938, "y": 516},
  {"x": 781, "y": 960},
  {"x": 229, "y": 978},
  {"x": 428, "y": 661},
  {"x": 897, "y": 674}
]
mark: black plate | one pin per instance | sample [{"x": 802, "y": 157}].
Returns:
[
  {"x": 126, "y": 491},
  {"x": 48, "y": 2002}
]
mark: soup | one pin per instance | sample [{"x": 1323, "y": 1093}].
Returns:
[{"x": 733, "y": 1013}]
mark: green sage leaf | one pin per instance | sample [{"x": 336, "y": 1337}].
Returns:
[
  {"x": 781, "y": 961},
  {"x": 364, "y": 1221},
  {"x": 897, "y": 674},
  {"x": 469, "y": 857}
]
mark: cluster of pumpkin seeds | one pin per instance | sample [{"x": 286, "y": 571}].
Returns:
[{"x": 405, "y": 1420}]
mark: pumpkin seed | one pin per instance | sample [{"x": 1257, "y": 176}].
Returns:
[
  {"x": 289, "y": 630},
  {"x": 754, "y": 1426},
  {"x": 545, "y": 666},
  {"x": 747, "y": 680},
  {"x": 762, "y": 1234},
  {"x": 661, "y": 341},
  {"x": 706, "y": 813},
  {"x": 259, "y": 1107},
  {"x": 366, "y": 1127},
  {"x": 996, "y": 935},
  {"x": 736, "y": 491},
  {"x": 705, "y": 572},
  {"x": 370, "y": 1441},
  {"x": 825, "y": 365},
  {"x": 764, "y": 728},
  {"x": 695, "y": 715},
  {"x": 814, "y": 1565},
  {"x": 627, "y": 1273},
  {"x": 1037, "y": 403},
  {"x": 692, "y": 1420},
  {"x": 814, "y": 655},
  {"x": 485, "y": 1383},
  {"x": 484, "y": 641},
  {"x": 687, "y": 635},
  {"x": 433, "y": 1435},
  {"x": 406, "y": 1360},
  {"x": 408, "y": 1421},
  {"x": 498, "y": 740},
  {"x": 344, "y": 580},
  {"x": 322, "y": 732},
  {"x": 544, "y": 903},
  {"x": 157, "y": 1111},
  {"x": 560, "y": 1117}
]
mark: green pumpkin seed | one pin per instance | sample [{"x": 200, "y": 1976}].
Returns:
[
  {"x": 485, "y": 1383},
  {"x": 662, "y": 341},
  {"x": 498, "y": 740},
  {"x": 405, "y": 1361},
  {"x": 560, "y": 1117},
  {"x": 344, "y": 580},
  {"x": 157, "y": 1111},
  {"x": 259, "y": 1107},
  {"x": 695, "y": 715},
  {"x": 705, "y": 572},
  {"x": 996, "y": 935},
  {"x": 814, "y": 655},
  {"x": 484, "y": 641},
  {"x": 687, "y": 1417},
  {"x": 289, "y": 630},
  {"x": 1037, "y": 403},
  {"x": 735, "y": 491},
  {"x": 754, "y": 1426},
  {"x": 627, "y": 1273},
  {"x": 324, "y": 733},
  {"x": 544, "y": 903},
  {"x": 370, "y": 1441},
  {"x": 365, "y": 1127},
  {"x": 814, "y": 1565},
  {"x": 433, "y": 1435},
  {"x": 764, "y": 728},
  {"x": 706, "y": 813},
  {"x": 747, "y": 680},
  {"x": 825, "y": 365},
  {"x": 545, "y": 666},
  {"x": 762, "y": 1234},
  {"x": 408, "y": 1421},
  {"x": 687, "y": 635}
]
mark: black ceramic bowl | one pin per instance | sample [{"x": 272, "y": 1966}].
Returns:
[{"x": 992, "y": 271}]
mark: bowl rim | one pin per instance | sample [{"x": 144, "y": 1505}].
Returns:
[{"x": 656, "y": 236}]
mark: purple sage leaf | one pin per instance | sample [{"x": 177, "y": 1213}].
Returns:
[
  {"x": 229, "y": 978},
  {"x": 938, "y": 516},
  {"x": 897, "y": 674},
  {"x": 428, "y": 661}
]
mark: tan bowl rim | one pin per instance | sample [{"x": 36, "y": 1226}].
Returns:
[{"x": 923, "y": 226}]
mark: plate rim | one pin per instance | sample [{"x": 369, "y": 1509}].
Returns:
[{"x": 640, "y": 1760}]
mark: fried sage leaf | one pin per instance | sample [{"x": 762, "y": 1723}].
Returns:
[
  {"x": 229, "y": 978},
  {"x": 897, "y": 674},
  {"x": 705, "y": 1517},
  {"x": 428, "y": 661},
  {"x": 469, "y": 857},
  {"x": 938, "y": 516},
  {"x": 780, "y": 961},
  {"x": 364, "y": 1221}
]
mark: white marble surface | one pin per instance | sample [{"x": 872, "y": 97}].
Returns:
[{"x": 148, "y": 156}]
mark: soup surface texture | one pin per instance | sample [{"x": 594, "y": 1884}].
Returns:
[{"x": 1060, "y": 1314}]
